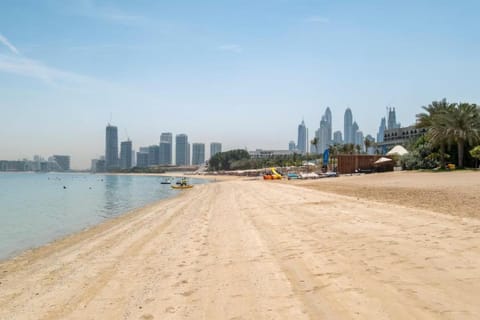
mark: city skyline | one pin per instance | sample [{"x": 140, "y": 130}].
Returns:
[{"x": 243, "y": 72}]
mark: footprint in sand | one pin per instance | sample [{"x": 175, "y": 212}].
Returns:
[{"x": 147, "y": 317}]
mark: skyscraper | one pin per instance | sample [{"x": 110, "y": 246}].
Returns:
[
  {"x": 348, "y": 133},
  {"x": 302, "y": 144},
  {"x": 126, "y": 154},
  {"x": 381, "y": 130},
  {"x": 354, "y": 132},
  {"x": 182, "y": 150},
  {"x": 198, "y": 153},
  {"x": 359, "y": 140},
  {"x": 111, "y": 148},
  {"x": 337, "y": 137},
  {"x": 166, "y": 148},
  {"x": 392, "y": 119},
  {"x": 215, "y": 147},
  {"x": 292, "y": 146},
  {"x": 328, "y": 119},
  {"x": 323, "y": 140},
  {"x": 153, "y": 155}
]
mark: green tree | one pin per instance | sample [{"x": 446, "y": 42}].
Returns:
[
  {"x": 475, "y": 153},
  {"x": 434, "y": 120},
  {"x": 463, "y": 126}
]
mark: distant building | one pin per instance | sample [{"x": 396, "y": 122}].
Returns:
[
  {"x": 17, "y": 165},
  {"x": 265, "y": 154},
  {"x": 348, "y": 132},
  {"x": 182, "y": 150},
  {"x": 323, "y": 139},
  {"x": 142, "y": 159},
  {"x": 381, "y": 130},
  {"x": 134, "y": 158},
  {"x": 359, "y": 140},
  {"x": 126, "y": 155},
  {"x": 392, "y": 120},
  {"x": 337, "y": 137},
  {"x": 153, "y": 155},
  {"x": 215, "y": 147},
  {"x": 328, "y": 119},
  {"x": 111, "y": 148},
  {"x": 302, "y": 144},
  {"x": 354, "y": 133},
  {"x": 98, "y": 166},
  {"x": 198, "y": 154},
  {"x": 166, "y": 148},
  {"x": 62, "y": 161},
  {"x": 292, "y": 146}
]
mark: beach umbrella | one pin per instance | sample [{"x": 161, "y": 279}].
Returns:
[
  {"x": 382, "y": 160},
  {"x": 397, "y": 150}
]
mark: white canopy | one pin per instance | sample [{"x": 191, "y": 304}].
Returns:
[
  {"x": 397, "y": 150},
  {"x": 382, "y": 160}
]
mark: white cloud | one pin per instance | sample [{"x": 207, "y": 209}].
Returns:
[
  {"x": 317, "y": 19},
  {"x": 91, "y": 9},
  {"x": 231, "y": 48},
  {"x": 37, "y": 70},
  {"x": 7, "y": 43}
]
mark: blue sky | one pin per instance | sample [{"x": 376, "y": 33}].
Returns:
[{"x": 240, "y": 72}]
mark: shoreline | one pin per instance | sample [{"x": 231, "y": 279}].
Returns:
[{"x": 255, "y": 250}]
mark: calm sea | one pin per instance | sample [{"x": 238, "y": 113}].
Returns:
[{"x": 38, "y": 208}]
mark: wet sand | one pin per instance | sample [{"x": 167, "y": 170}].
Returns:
[{"x": 242, "y": 249}]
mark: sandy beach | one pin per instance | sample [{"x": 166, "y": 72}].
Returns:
[{"x": 386, "y": 246}]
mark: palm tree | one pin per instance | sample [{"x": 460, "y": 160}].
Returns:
[
  {"x": 315, "y": 143},
  {"x": 463, "y": 126},
  {"x": 434, "y": 120}
]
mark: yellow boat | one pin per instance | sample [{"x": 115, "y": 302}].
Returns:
[{"x": 180, "y": 187}]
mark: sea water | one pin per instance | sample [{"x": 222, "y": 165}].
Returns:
[{"x": 38, "y": 208}]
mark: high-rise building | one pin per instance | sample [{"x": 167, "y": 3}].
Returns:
[
  {"x": 111, "y": 148},
  {"x": 337, "y": 137},
  {"x": 328, "y": 119},
  {"x": 166, "y": 148},
  {"x": 392, "y": 119},
  {"x": 322, "y": 136},
  {"x": 381, "y": 130},
  {"x": 134, "y": 158},
  {"x": 302, "y": 144},
  {"x": 142, "y": 159},
  {"x": 359, "y": 140},
  {"x": 126, "y": 154},
  {"x": 354, "y": 132},
  {"x": 348, "y": 133},
  {"x": 215, "y": 147},
  {"x": 292, "y": 146},
  {"x": 198, "y": 154},
  {"x": 153, "y": 155},
  {"x": 62, "y": 161},
  {"x": 182, "y": 150}
]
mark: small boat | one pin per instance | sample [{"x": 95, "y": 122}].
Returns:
[{"x": 181, "y": 187}]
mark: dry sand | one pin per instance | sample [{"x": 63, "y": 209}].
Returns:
[{"x": 257, "y": 250}]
